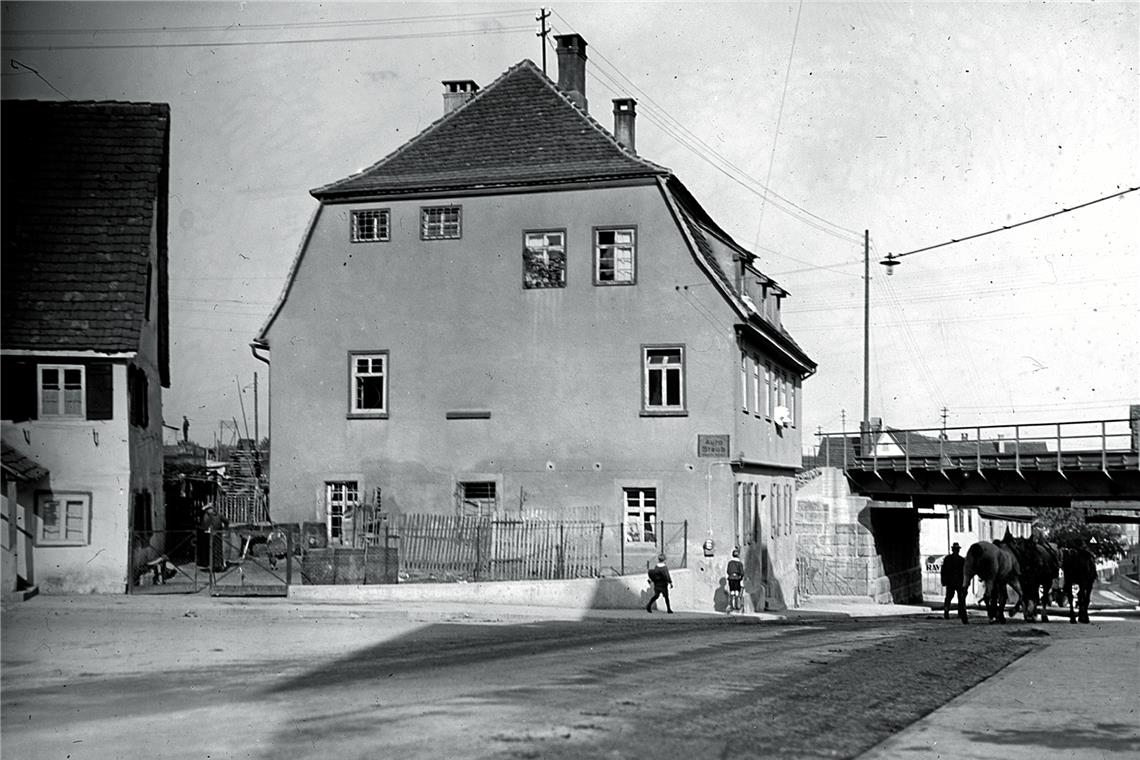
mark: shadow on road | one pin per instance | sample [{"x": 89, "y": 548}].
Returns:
[{"x": 1106, "y": 737}]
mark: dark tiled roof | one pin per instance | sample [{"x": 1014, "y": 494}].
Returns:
[
  {"x": 520, "y": 129},
  {"x": 82, "y": 183},
  {"x": 708, "y": 235},
  {"x": 19, "y": 466}
]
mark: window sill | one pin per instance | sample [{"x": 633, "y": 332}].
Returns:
[
  {"x": 664, "y": 412},
  {"x": 366, "y": 416}
]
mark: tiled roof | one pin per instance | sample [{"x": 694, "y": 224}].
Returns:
[
  {"x": 82, "y": 182},
  {"x": 521, "y": 129},
  {"x": 19, "y": 466},
  {"x": 707, "y": 235}
]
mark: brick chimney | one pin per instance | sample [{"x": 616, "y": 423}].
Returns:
[
  {"x": 572, "y": 67},
  {"x": 456, "y": 92},
  {"x": 624, "y": 114}
]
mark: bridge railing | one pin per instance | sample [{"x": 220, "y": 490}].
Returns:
[{"x": 1083, "y": 445}]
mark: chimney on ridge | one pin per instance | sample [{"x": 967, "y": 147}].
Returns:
[
  {"x": 572, "y": 67},
  {"x": 624, "y": 114},
  {"x": 456, "y": 92}
]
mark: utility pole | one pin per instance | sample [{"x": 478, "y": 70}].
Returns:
[
  {"x": 945, "y": 414},
  {"x": 543, "y": 14},
  {"x": 866, "y": 326},
  {"x": 256, "y": 432}
]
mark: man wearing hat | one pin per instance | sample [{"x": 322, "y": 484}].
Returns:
[{"x": 952, "y": 565}]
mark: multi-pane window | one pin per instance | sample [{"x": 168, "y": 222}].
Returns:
[
  {"x": 371, "y": 226},
  {"x": 440, "y": 223},
  {"x": 544, "y": 259},
  {"x": 640, "y": 515},
  {"x": 478, "y": 498},
  {"x": 664, "y": 379},
  {"x": 744, "y": 361},
  {"x": 756, "y": 385},
  {"x": 63, "y": 519},
  {"x": 62, "y": 390},
  {"x": 615, "y": 255},
  {"x": 963, "y": 520},
  {"x": 341, "y": 498},
  {"x": 768, "y": 390},
  {"x": 792, "y": 399},
  {"x": 369, "y": 383}
]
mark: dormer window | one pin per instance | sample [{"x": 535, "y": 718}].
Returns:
[
  {"x": 371, "y": 226},
  {"x": 441, "y": 223}
]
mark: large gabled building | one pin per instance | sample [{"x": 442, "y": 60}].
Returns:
[
  {"x": 84, "y": 345},
  {"x": 514, "y": 311}
]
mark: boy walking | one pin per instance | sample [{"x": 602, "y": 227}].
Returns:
[{"x": 659, "y": 577}]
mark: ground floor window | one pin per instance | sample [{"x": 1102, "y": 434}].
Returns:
[
  {"x": 640, "y": 515},
  {"x": 477, "y": 498},
  {"x": 63, "y": 519},
  {"x": 341, "y": 498}
]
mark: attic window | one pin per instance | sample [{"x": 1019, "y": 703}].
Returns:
[
  {"x": 440, "y": 223},
  {"x": 371, "y": 226},
  {"x": 544, "y": 259}
]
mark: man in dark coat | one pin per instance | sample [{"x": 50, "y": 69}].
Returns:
[
  {"x": 952, "y": 566},
  {"x": 659, "y": 576}
]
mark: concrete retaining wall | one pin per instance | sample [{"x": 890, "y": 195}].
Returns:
[{"x": 622, "y": 592}]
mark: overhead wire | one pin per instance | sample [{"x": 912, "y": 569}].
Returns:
[
  {"x": 300, "y": 41},
  {"x": 1005, "y": 227},
  {"x": 780, "y": 117},
  {"x": 672, "y": 127},
  {"x": 278, "y": 26}
]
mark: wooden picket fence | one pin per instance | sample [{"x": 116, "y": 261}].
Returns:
[{"x": 482, "y": 548}]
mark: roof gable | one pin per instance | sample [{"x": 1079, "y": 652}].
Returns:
[
  {"x": 520, "y": 129},
  {"x": 84, "y": 185}
]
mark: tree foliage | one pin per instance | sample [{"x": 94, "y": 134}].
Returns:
[{"x": 1067, "y": 528}]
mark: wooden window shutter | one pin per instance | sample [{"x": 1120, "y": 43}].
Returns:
[
  {"x": 100, "y": 391},
  {"x": 18, "y": 399}
]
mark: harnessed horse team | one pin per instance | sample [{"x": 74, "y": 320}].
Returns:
[{"x": 1037, "y": 570}]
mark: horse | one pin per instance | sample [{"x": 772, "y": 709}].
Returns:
[
  {"x": 1079, "y": 567},
  {"x": 1040, "y": 564},
  {"x": 997, "y": 567}
]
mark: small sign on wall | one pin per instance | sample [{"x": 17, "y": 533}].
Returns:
[{"x": 712, "y": 446}]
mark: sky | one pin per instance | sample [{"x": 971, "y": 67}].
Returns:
[{"x": 797, "y": 125}]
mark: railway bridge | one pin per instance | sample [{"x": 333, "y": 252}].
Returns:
[{"x": 1041, "y": 464}]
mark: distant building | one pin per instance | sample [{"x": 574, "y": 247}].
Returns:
[
  {"x": 85, "y": 338},
  {"x": 514, "y": 311}
]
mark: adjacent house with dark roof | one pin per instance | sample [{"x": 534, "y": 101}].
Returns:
[
  {"x": 514, "y": 311},
  {"x": 84, "y": 344}
]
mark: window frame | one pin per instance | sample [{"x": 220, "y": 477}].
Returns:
[
  {"x": 545, "y": 250},
  {"x": 744, "y": 362},
  {"x": 384, "y": 222},
  {"x": 664, "y": 410},
  {"x": 647, "y": 515},
  {"x": 364, "y": 414},
  {"x": 595, "y": 264},
  {"x": 442, "y": 235},
  {"x": 331, "y": 515},
  {"x": 485, "y": 506},
  {"x": 41, "y": 407},
  {"x": 756, "y": 385},
  {"x": 61, "y": 498}
]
